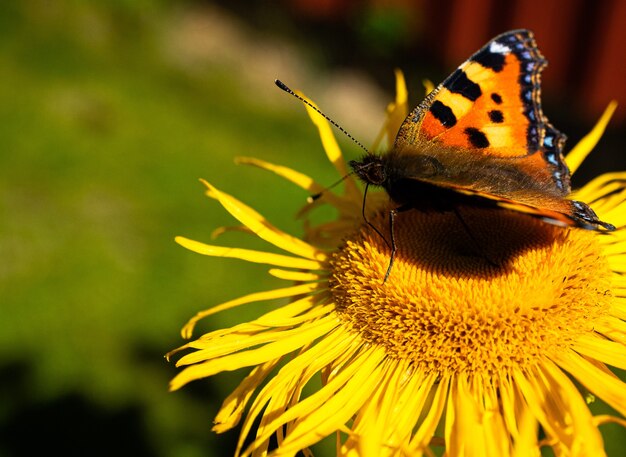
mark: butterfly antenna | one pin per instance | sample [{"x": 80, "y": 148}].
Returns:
[
  {"x": 314, "y": 197},
  {"x": 284, "y": 87}
]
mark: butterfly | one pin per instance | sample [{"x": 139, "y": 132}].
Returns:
[{"x": 480, "y": 138}]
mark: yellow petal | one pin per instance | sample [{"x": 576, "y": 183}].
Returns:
[
  {"x": 268, "y": 328},
  {"x": 262, "y": 228},
  {"x": 305, "y": 182},
  {"x": 387, "y": 419},
  {"x": 526, "y": 441},
  {"x": 428, "y": 86},
  {"x": 330, "y": 407},
  {"x": 413, "y": 396},
  {"x": 397, "y": 111},
  {"x": 511, "y": 404},
  {"x": 605, "y": 351},
  {"x": 613, "y": 328},
  {"x": 233, "y": 406},
  {"x": 606, "y": 419},
  {"x": 473, "y": 423},
  {"x": 299, "y": 179},
  {"x": 294, "y": 275},
  {"x": 300, "y": 369},
  {"x": 609, "y": 388},
  {"x": 254, "y": 297},
  {"x": 248, "y": 255},
  {"x": 291, "y": 342},
  {"x": 594, "y": 189},
  {"x": 585, "y": 436},
  {"x": 535, "y": 399},
  {"x": 576, "y": 156},
  {"x": 425, "y": 432},
  {"x": 333, "y": 152}
]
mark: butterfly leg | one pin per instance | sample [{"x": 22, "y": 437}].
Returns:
[
  {"x": 392, "y": 216},
  {"x": 367, "y": 221}
]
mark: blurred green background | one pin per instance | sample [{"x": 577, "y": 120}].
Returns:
[{"x": 109, "y": 114}]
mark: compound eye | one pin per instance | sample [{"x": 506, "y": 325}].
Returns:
[{"x": 376, "y": 174}]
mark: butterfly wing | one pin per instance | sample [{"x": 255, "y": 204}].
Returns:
[
  {"x": 557, "y": 211},
  {"x": 491, "y": 106}
]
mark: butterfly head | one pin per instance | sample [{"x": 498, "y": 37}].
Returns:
[{"x": 370, "y": 169}]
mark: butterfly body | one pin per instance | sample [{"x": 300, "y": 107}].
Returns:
[{"x": 480, "y": 138}]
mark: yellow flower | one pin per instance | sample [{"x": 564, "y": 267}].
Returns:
[{"x": 449, "y": 351}]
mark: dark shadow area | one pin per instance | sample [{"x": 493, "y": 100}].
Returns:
[
  {"x": 484, "y": 242},
  {"x": 69, "y": 425}
]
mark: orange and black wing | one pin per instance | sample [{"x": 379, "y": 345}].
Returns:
[{"x": 491, "y": 106}]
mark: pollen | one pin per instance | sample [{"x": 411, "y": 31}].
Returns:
[{"x": 496, "y": 292}]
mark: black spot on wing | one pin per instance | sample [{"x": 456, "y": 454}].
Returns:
[
  {"x": 488, "y": 59},
  {"x": 443, "y": 114},
  {"x": 496, "y": 98},
  {"x": 476, "y": 138},
  {"x": 459, "y": 83},
  {"x": 496, "y": 116}
]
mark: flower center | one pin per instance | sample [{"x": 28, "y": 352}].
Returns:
[{"x": 513, "y": 290}]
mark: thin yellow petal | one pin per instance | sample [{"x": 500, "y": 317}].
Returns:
[
  {"x": 329, "y": 142},
  {"x": 254, "y": 297},
  {"x": 268, "y": 328},
  {"x": 262, "y": 228},
  {"x": 576, "y": 156},
  {"x": 613, "y": 328},
  {"x": 248, "y": 255},
  {"x": 617, "y": 263},
  {"x": 606, "y": 191},
  {"x": 324, "y": 411},
  {"x": 333, "y": 152},
  {"x": 605, "y": 351},
  {"x": 585, "y": 436},
  {"x": 594, "y": 189},
  {"x": 384, "y": 422},
  {"x": 402, "y": 94},
  {"x": 300, "y": 369},
  {"x": 491, "y": 423},
  {"x": 294, "y": 275},
  {"x": 473, "y": 423},
  {"x": 526, "y": 443},
  {"x": 303, "y": 181},
  {"x": 399, "y": 110},
  {"x": 277, "y": 349},
  {"x": 396, "y": 113},
  {"x": 428, "y": 86},
  {"x": 609, "y": 388},
  {"x": 606, "y": 419},
  {"x": 306, "y": 308},
  {"x": 618, "y": 309},
  {"x": 511, "y": 404},
  {"x": 413, "y": 397},
  {"x": 291, "y": 175},
  {"x": 425, "y": 432},
  {"x": 613, "y": 245},
  {"x": 281, "y": 317},
  {"x": 534, "y": 398},
  {"x": 233, "y": 406}
]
